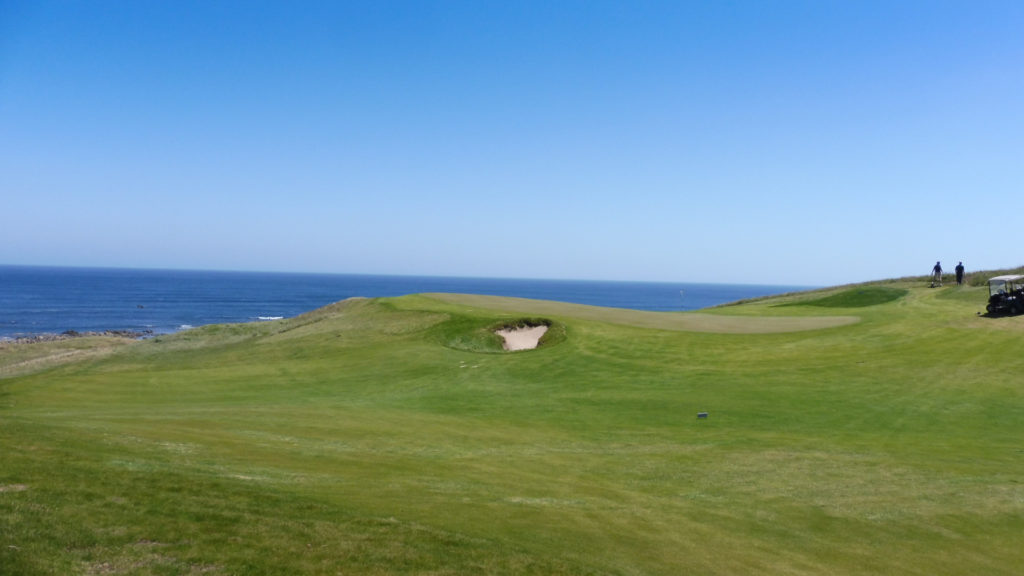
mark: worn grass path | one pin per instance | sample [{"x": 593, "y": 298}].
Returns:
[{"x": 393, "y": 436}]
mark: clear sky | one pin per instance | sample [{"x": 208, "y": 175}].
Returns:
[{"x": 806, "y": 142}]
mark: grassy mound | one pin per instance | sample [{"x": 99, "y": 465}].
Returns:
[
  {"x": 721, "y": 321},
  {"x": 374, "y": 437},
  {"x": 859, "y": 297}
]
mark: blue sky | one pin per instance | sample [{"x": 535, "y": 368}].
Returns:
[{"x": 811, "y": 143}]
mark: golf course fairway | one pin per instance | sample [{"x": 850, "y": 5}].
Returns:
[{"x": 846, "y": 431}]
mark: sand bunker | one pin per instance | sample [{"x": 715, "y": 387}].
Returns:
[{"x": 522, "y": 338}]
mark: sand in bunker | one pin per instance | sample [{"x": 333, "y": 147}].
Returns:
[{"x": 522, "y": 338}]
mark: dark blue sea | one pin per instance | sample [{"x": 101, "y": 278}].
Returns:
[{"x": 42, "y": 300}]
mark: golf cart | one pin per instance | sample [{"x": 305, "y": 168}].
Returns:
[{"x": 1006, "y": 295}]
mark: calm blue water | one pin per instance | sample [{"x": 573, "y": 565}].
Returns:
[{"x": 35, "y": 300}]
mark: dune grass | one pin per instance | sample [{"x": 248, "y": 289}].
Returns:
[{"x": 391, "y": 436}]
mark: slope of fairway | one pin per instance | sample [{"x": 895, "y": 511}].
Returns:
[{"x": 394, "y": 436}]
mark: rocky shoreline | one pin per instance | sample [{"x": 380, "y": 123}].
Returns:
[{"x": 69, "y": 334}]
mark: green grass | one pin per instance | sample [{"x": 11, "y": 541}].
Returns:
[
  {"x": 20, "y": 358},
  {"x": 391, "y": 436},
  {"x": 858, "y": 297}
]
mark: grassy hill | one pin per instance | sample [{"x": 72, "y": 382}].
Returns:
[{"x": 849, "y": 431}]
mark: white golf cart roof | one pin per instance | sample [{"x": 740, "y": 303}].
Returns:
[{"x": 1008, "y": 278}]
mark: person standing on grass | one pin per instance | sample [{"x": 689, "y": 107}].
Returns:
[
  {"x": 937, "y": 275},
  {"x": 959, "y": 274}
]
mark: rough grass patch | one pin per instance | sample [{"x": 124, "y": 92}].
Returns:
[{"x": 522, "y": 323}]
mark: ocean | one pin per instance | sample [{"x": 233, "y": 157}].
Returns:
[{"x": 46, "y": 300}]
